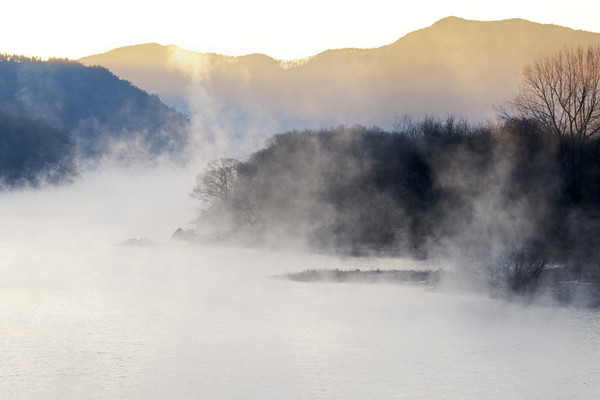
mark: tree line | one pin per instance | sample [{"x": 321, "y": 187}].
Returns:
[{"x": 512, "y": 197}]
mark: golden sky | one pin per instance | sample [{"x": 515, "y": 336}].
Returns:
[{"x": 281, "y": 29}]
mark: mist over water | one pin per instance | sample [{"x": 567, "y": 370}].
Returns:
[{"x": 84, "y": 316}]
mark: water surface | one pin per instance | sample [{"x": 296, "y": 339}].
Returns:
[{"x": 85, "y": 317}]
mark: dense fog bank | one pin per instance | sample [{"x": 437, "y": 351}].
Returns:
[{"x": 108, "y": 204}]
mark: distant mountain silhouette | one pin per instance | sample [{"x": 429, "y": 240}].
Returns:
[
  {"x": 105, "y": 114},
  {"x": 455, "y": 66}
]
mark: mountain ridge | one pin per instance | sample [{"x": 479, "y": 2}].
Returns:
[
  {"x": 455, "y": 66},
  {"x": 439, "y": 23}
]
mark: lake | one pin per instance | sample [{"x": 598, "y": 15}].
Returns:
[{"x": 85, "y": 317}]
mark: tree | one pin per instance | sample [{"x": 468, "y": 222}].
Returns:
[
  {"x": 216, "y": 185},
  {"x": 561, "y": 94},
  {"x": 517, "y": 271},
  {"x": 227, "y": 204}
]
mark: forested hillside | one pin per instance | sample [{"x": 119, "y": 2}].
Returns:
[
  {"x": 105, "y": 114},
  {"x": 33, "y": 153}
]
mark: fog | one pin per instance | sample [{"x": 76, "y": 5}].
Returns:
[
  {"x": 85, "y": 316},
  {"x": 107, "y": 203}
]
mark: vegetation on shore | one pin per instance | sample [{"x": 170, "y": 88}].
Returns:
[
  {"x": 421, "y": 277},
  {"x": 506, "y": 202}
]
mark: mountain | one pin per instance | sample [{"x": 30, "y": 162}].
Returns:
[
  {"x": 455, "y": 66},
  {"x": 104, "y": 114}
]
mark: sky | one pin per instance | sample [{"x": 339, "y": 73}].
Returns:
[{"x": 280, "y": 29}]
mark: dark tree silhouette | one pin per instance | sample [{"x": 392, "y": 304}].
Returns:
[
  {"x": 561, "y": 92},
  {"x": 494, "y": 197},
  {"x": 560, "y": 96}
]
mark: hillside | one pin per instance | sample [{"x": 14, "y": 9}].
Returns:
[
  {"x": 105, "y": 114},
  {"x": 33, "y": 153},
  {"x": 454, "y": 66}
]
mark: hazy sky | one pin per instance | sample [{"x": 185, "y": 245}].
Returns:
[{"x": 281, "y": 29}]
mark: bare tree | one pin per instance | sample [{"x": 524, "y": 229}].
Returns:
[
  {"x": 216, "y": 185},
  {"x": 561, "y": 93},
  {"x": 515, "y": 270},
  {"x": 225, "y": 197}
]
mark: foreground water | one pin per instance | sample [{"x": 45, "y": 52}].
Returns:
[{"x": 82, "y": 316}]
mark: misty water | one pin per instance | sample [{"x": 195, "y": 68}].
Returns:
[{"x": 84, "y": 316}]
